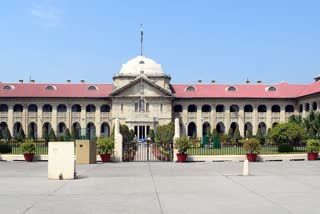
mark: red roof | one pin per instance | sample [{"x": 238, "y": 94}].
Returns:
[
  {"x": 61, "y": 90},
  {"x": 283, "y": 90}
]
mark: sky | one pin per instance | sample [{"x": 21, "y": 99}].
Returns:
[{"x": 227, "y": 41}]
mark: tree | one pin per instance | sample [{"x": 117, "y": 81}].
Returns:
[
  {"x": 132, "y": 134},
  {"x": 288, "y": 133},
  {"x": 124, "y": 131},
  {"x": 21, "y": 136},
  {"x": 236, "y": 135},
  {"x": 249, "y": 133},
  {"x": 1, "y": 135},
  {"x": 151, "y": 135},
  {"x": 73, "y": 133},
  {"x": 67, "y": 135},
  {"x": 311, "y": 133},
  {"x": 31, "y": 133},
  {"x": 165, "y": 133},
  {"x": 230, "y": 134},
  {"x": 259, "y": 136},
  {"x": 45, "y": 135},
  {"x": 7, "y": 135},
  {"x": 52, "y": 135},
  {"x": 214, "y": 133}
]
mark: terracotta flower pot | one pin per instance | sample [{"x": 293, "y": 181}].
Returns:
[
  {"x": 105, "y": 157},
  {"x": 313, "y": 155},
  {"x": 28, "y": 157},
  {"x": 182, "y": 157},
  {"x": 252, "y": 157}
]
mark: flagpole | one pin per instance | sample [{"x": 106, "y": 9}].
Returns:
[{"x": 141, "y": 40}]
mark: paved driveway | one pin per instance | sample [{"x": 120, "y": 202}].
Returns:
[{"x": 274, "y": 187}]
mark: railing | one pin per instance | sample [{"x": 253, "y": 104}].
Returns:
[
  {"x": 91, "y": 114},
  {"x": 17, "y": 114},
  {"x": 192, "y": 113},
  {"x": 62, "y": 114},
  {"x": 32, "y": 114},
  {"x": 46, "y": 114},
  {"x": 220, "y": 114},
  {"x": 105, "y": 114},
  {"x": 76, "y": 114},
  {"x": 238, "y": 150},
  {"x": 4, "y": 114},
  {"x": 41, "y": 147}
]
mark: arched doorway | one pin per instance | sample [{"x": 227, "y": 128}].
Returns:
[
  {"x": 61, "y": 128},
  {"x": 32, "y": 130},
  {"x": 91, "y": 131},
  {"x": 192, "y": 130},
  {"x": 77, "y": 130},
  {"x": 220, "y": 128},
  {"x": 206, "y": 128},
  {"x": 105, "y": 130},
  {"x": 263, "y": 128},
  {"x": 16, "y": 129},
  {"x": 234, "y": 126},
  {"x": 247, "y": 129},
  {"x": 3, "y": 126}
]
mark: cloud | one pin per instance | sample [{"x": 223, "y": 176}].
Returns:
[{"x": 46, "y": 13}]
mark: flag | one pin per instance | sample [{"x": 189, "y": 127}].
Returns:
[{"x": 141, "y": 34}]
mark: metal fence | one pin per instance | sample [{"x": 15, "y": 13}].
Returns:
[
  {"x": 239, "y": 150},
  {"x": 41, "y": 148}
]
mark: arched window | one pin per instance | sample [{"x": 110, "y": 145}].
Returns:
[
  {"x": 8, "y": 87},
  {"x": 92, "y": 88},
  {"x": 262, "y": 108},
  {"x": 18, "y": 108},
  {"x": 271, "y": 88},
  {"x": 307, "y": 107},
  {"x": 141, "y": 104},
  {"x": 220, "y": 108},
  {"x": 47, "y": 108},
  {"x": 177, "y": 108},
  {"x": 76, "y": 108},
  {"x": 190, "y": 88},
  {"x": 231, "y": 88},
  {"x": 314, "y": 106},
  {"x": 275, "y": 108},
  {"x": 234, "y": 108},
  {"x": 105, "y": 108},
  {"x": 192, "y": 108},
  {"x": 4, "y": 108},
  {"x": 206, "y": 108},
  {"x": 62, "y": 108},
  {"x": 32, "y": 108},
  {"x": 248, "y": 108},
  {"x": 91, "y": 108},
  {"x": 300, "y": 108},
  {"x": 289, "y": 108},
  {"x": 51, "y": 88}
]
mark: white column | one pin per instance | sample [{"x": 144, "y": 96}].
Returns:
[
  {"x": 54, "y": 119},
  {"x": 40, "y": 121},
  {"x": 118, "y": 142},
  {"x": 10, "y": 119},
  {"x": 176, "y": 135}
]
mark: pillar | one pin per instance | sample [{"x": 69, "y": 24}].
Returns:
[
  {"x": 118, "y": 141},
  {"x": 176, "y": 135}
]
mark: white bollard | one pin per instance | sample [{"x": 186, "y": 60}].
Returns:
[{"x": 246, "y": 168}]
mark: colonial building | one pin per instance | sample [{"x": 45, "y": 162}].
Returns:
[{"x": 142, "y": 97}]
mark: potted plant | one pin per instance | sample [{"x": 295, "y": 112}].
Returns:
[
  {"x": 105, "y": 146},
  {"x": 182, "y": 144},
  {"x": 253, "y": 147},
  {"x": 28, "y": 149},
  {"x": 313, "y": 147}
]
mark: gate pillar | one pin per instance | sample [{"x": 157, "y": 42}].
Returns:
[
  {"x": 117, "y": 141},
  {"x": 176, "y": 135}
]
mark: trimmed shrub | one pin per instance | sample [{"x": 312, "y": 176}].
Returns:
[
  {"x": 285, "y": 147},
  {"x": 5, "y": 148}
]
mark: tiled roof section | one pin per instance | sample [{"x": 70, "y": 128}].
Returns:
[
  {"x": 284, "y": 90},
  {"x": 62, "y": 90},
  {"x": 310, "y": 89}
]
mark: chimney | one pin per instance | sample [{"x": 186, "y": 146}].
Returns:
[
  {"x": 213, "y": 81},
  {"x": 259, "y": 81},
  {"x": 21, "y": 81},
  {"x": 247, "y": 81},
  {"x": 199, "y": 81},
  {"x": 317, "y": 78},
  {"x": 82, "y": 81},
  {"x": 68, "y": 81},
  {"x": 32, "y": 81}
]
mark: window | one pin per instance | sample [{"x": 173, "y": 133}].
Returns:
[
  {"x": 147, "y": 107},
  {"x": 177, "y": 108},
  {"x": 271, "y": 88},
  {"x": 51, "y": 88},
  {"x": 231, "y": 88},
  {"x": 8, "y": 87},
  {"x": 136, "y": 107},
  {"x": 92, "y": 88},
  {"x": 121, "y": 108},
  {"x": 141, "y": 105},
  {"x": 190, "y": 88},
  {"x": 141, "y": 62},
  {"x": 161, "y": 107}
]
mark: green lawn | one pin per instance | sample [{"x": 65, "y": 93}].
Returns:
[{"x": 230, "y": 150}]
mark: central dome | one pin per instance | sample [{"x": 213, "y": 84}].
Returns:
[{"x": 141, "y": 64}]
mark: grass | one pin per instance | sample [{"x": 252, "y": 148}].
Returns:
[{"x": 238, "y": 150}]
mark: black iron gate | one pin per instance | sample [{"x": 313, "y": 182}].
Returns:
[{"x": 147, "y": 151}]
